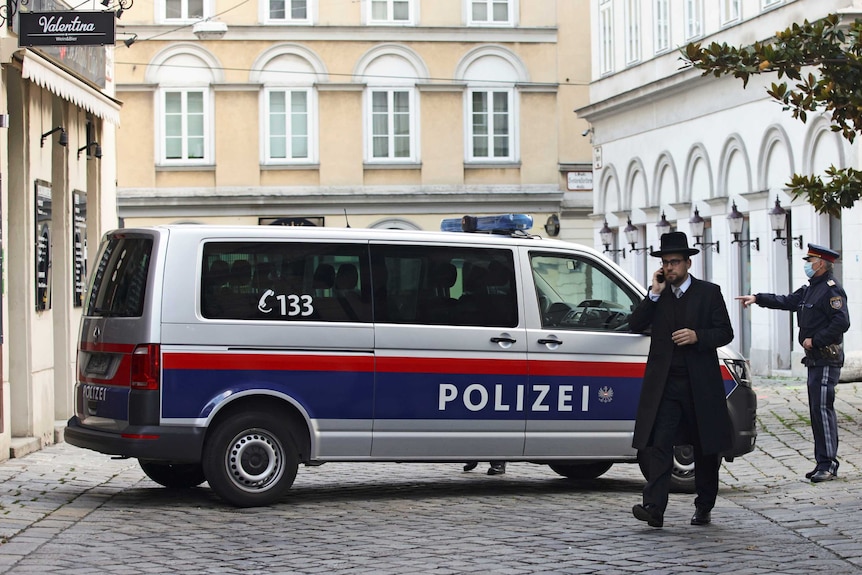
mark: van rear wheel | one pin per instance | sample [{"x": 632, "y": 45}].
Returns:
[
  {"x": 174, "y": 475},
  {"x": 250, "y": 459},
  {"x": 682, "y": 474},
  {"x": 587, "y": 470}
]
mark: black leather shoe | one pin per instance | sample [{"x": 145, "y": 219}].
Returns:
[
  {"x": 810, "y": 473},
  {"x": 701, "y": 517},
  {"x": 497, "y": 469},
  {"x": 648, "y": 513},
  {"x": 821, "y": 476},
  {"x": 470, "y": 466}
]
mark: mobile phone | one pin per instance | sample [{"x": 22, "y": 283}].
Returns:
[{"x": 659, "y": 278}]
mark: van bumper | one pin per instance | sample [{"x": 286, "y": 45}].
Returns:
[{"x": 153, "y": 443}]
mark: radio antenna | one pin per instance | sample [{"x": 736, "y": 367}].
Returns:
[{"x": 345, "y": 218}]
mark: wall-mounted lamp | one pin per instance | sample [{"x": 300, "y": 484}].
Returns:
[
  {"x": 663, "y": 226},
  {"x": 697, "y": 224},
  {"x": 552, "y": 225},
  {"x": 607, "y": 235},
  {"x": 778, "y": 222},
  {"x": 632, "y": 238},
  {"x": 62, "y": 140},
  {"x": 735, "y": 221},
  {"x": 97, "y": 150}
]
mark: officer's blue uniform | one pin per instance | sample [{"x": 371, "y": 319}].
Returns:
[{"x": 821, "y": 310}]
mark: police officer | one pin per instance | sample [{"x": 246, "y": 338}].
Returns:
[{"x": 821, "y": 310}]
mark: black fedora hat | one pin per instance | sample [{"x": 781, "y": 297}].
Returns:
[{"x": 674, "y": 243}]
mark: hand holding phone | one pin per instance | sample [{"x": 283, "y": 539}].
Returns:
[{"x": 660, "y": 277}]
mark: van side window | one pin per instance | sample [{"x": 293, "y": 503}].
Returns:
[
  {"x": 286, "y": 281},
  {"x": 119, "y": 284},
  {"x": 438, "y": 285},
  {"x": 579, "y": 294}
]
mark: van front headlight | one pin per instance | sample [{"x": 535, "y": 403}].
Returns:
[{"x": 738, "y": 368}]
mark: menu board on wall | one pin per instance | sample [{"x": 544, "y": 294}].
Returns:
[
  {"x": 43, "y": 245},
  {"x": 79, "y": 245}
]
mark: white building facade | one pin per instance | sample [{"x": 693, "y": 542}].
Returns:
[{"x": 670, "y": 144}]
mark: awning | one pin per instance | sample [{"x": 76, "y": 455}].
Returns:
[{"x": 68, "y": 87}]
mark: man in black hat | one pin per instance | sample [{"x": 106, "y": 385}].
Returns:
[
  {"x": 821, "y": 311},
  {"x": 683, "y": 398}
]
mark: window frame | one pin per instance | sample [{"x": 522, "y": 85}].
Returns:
[
  {"x": 390, "y": 13},
  {"x": 207, "y": 135},
  {"x": 413, "y": 103},
  {"x": 312, "y": 123},
  {"x": 266, "y": 10},
  {"x": 606, "y": 37},
  {"x": 693, "y": 11},
  {"x": 512, "y": 115},
  {"x": 661, "y": 26},
  {"x": 731, "y": 12},
  {"x": 511, "y": 10},
  {"x": 633, "y": 31},
  {"x": 162, "y": 15}
]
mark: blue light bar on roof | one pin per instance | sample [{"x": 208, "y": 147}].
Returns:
[{"x": 491, "y": 224}]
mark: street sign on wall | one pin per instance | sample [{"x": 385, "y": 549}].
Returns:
[{"x": 66, "y": 28}]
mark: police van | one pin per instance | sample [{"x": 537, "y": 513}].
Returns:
[{"x": 232, "y": 355}]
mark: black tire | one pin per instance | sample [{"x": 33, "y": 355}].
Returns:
[
  {"x": 250, "y": 459},
  {"x": 682, "y": 476},
  {"x": 587, "y": 470},
  {"x": 174, "y": 475}
]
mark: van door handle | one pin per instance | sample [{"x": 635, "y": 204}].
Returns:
[
  {"x": 551, "y": 341},
  {"x": 503, "y": 340}
]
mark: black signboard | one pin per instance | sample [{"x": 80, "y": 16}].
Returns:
[
  {"x": 43, "y": 245},
  {"x": 79, "y": 245},
  {"x": 66, "y": 28},
  {"x": 308, "y": 221}
]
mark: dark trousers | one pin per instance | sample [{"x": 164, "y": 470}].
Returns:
[
  {"x": 675, "y": 414},
  {"x": 824, "y": 423}
]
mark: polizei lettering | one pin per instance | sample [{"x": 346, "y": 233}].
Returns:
[
  {"x": 55, "y": 25},
  {"x": 477, "y": 397}
]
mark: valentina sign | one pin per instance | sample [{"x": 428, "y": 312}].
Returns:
[{"x": 66, "y": 28}]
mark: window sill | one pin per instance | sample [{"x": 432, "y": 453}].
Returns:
[
  {"x": 404, "y": 166},
  {"x": 185, "y": 167},
  {"x": 274, "y": 167},
  {"x": 489, "y": 165}
]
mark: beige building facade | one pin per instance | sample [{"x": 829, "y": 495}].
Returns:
[
  {"x": 370, "y": 113},
  {"x": 57, "y": 172}
]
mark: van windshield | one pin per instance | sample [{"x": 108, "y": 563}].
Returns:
[{"x": 119, "y": 283}]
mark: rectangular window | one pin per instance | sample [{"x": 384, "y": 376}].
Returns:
[
  {"x": 770, "y": 3},
  {"x": 391, "y": 136},
  {"x": 118, "y": 286},
  {"x": 661, "y": 11},
  {"x": 577, "y": 294},
  {"x": 390, "y": 11},
  {"x": 485, "y": 12},
  {"x": 289, "y": 10},
  {"x": 184, "y": 125},
  {"x": 490, "y": 121},
  {"x": 184, "y": 9},
  {"x": 289, "y": 121},
  {"x": 633, "y": 31},
  {"x": 606, "y": 37},
  {"x": 281, "y": 281},
  {"x": 444, "y": 286},
  {"x": 730, "y": 11},
  {"x": 693, "y": 19}
]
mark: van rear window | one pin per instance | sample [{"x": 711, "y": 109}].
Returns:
[{"x": 119, "y": 284}]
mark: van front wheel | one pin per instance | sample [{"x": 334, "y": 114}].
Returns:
[{"x": 250, "y": 459}]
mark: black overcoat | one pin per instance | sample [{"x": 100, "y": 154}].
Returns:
[{"x": 706, "y": 313}]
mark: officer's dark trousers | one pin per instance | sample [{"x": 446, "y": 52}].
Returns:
[
  {"x": 676, "y": 412},
  {"x": 824, "y": 423}
]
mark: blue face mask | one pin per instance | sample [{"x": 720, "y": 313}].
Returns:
[{"x": 809, "y": 269}]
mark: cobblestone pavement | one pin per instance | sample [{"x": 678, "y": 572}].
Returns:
[{"x": 72, "y": 511}]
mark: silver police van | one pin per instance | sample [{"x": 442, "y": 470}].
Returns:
[{"x": 232, "y": 355}]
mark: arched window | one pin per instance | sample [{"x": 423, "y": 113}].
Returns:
[
  {"x": 491, "y": 105},
  {"x": 288, "y": 107},
  {"x": 391, "y": 117},
  {"x": 184, "y": 74}
]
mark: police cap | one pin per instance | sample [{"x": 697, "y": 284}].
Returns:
[{"x": 815, "y": 251}]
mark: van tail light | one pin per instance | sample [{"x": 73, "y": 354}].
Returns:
[{"x": 146, "y": 367}]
